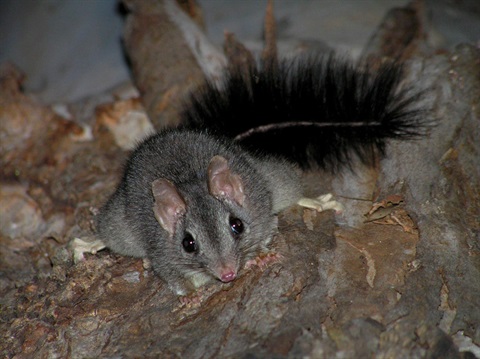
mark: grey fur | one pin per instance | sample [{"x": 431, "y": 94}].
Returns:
[{"x": 127, "y": 225}]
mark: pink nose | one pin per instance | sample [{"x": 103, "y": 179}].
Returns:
[{"x": 228, "y": 276}]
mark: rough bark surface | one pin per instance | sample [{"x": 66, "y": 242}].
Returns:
[
  {"x": 163, "y": 66},
  {"x": 404, "y": 282}
]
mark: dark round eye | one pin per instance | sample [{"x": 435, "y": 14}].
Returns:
[
  {"x": 236, "y": 225},
  {"x": 189, "y": 243}
]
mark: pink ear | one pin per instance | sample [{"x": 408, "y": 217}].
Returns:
[
  {"x": 169, "y": 206},
  {"x": 223, "y": 183}
]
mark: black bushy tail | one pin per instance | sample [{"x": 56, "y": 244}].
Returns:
[{"x": 324, "y": 111}]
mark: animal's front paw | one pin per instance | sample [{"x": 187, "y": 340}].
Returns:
[
  {"x": 263, "y": 260},
  {"x": 80, "y": 246},
  {"x": 190, "y": 300},
  {"x": 195, "y": 298}
]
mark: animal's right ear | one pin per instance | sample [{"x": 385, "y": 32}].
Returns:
[{"x": 169, "y": 205}]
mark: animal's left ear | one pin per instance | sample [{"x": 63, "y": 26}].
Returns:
[{"x": 223, "y": 183}]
